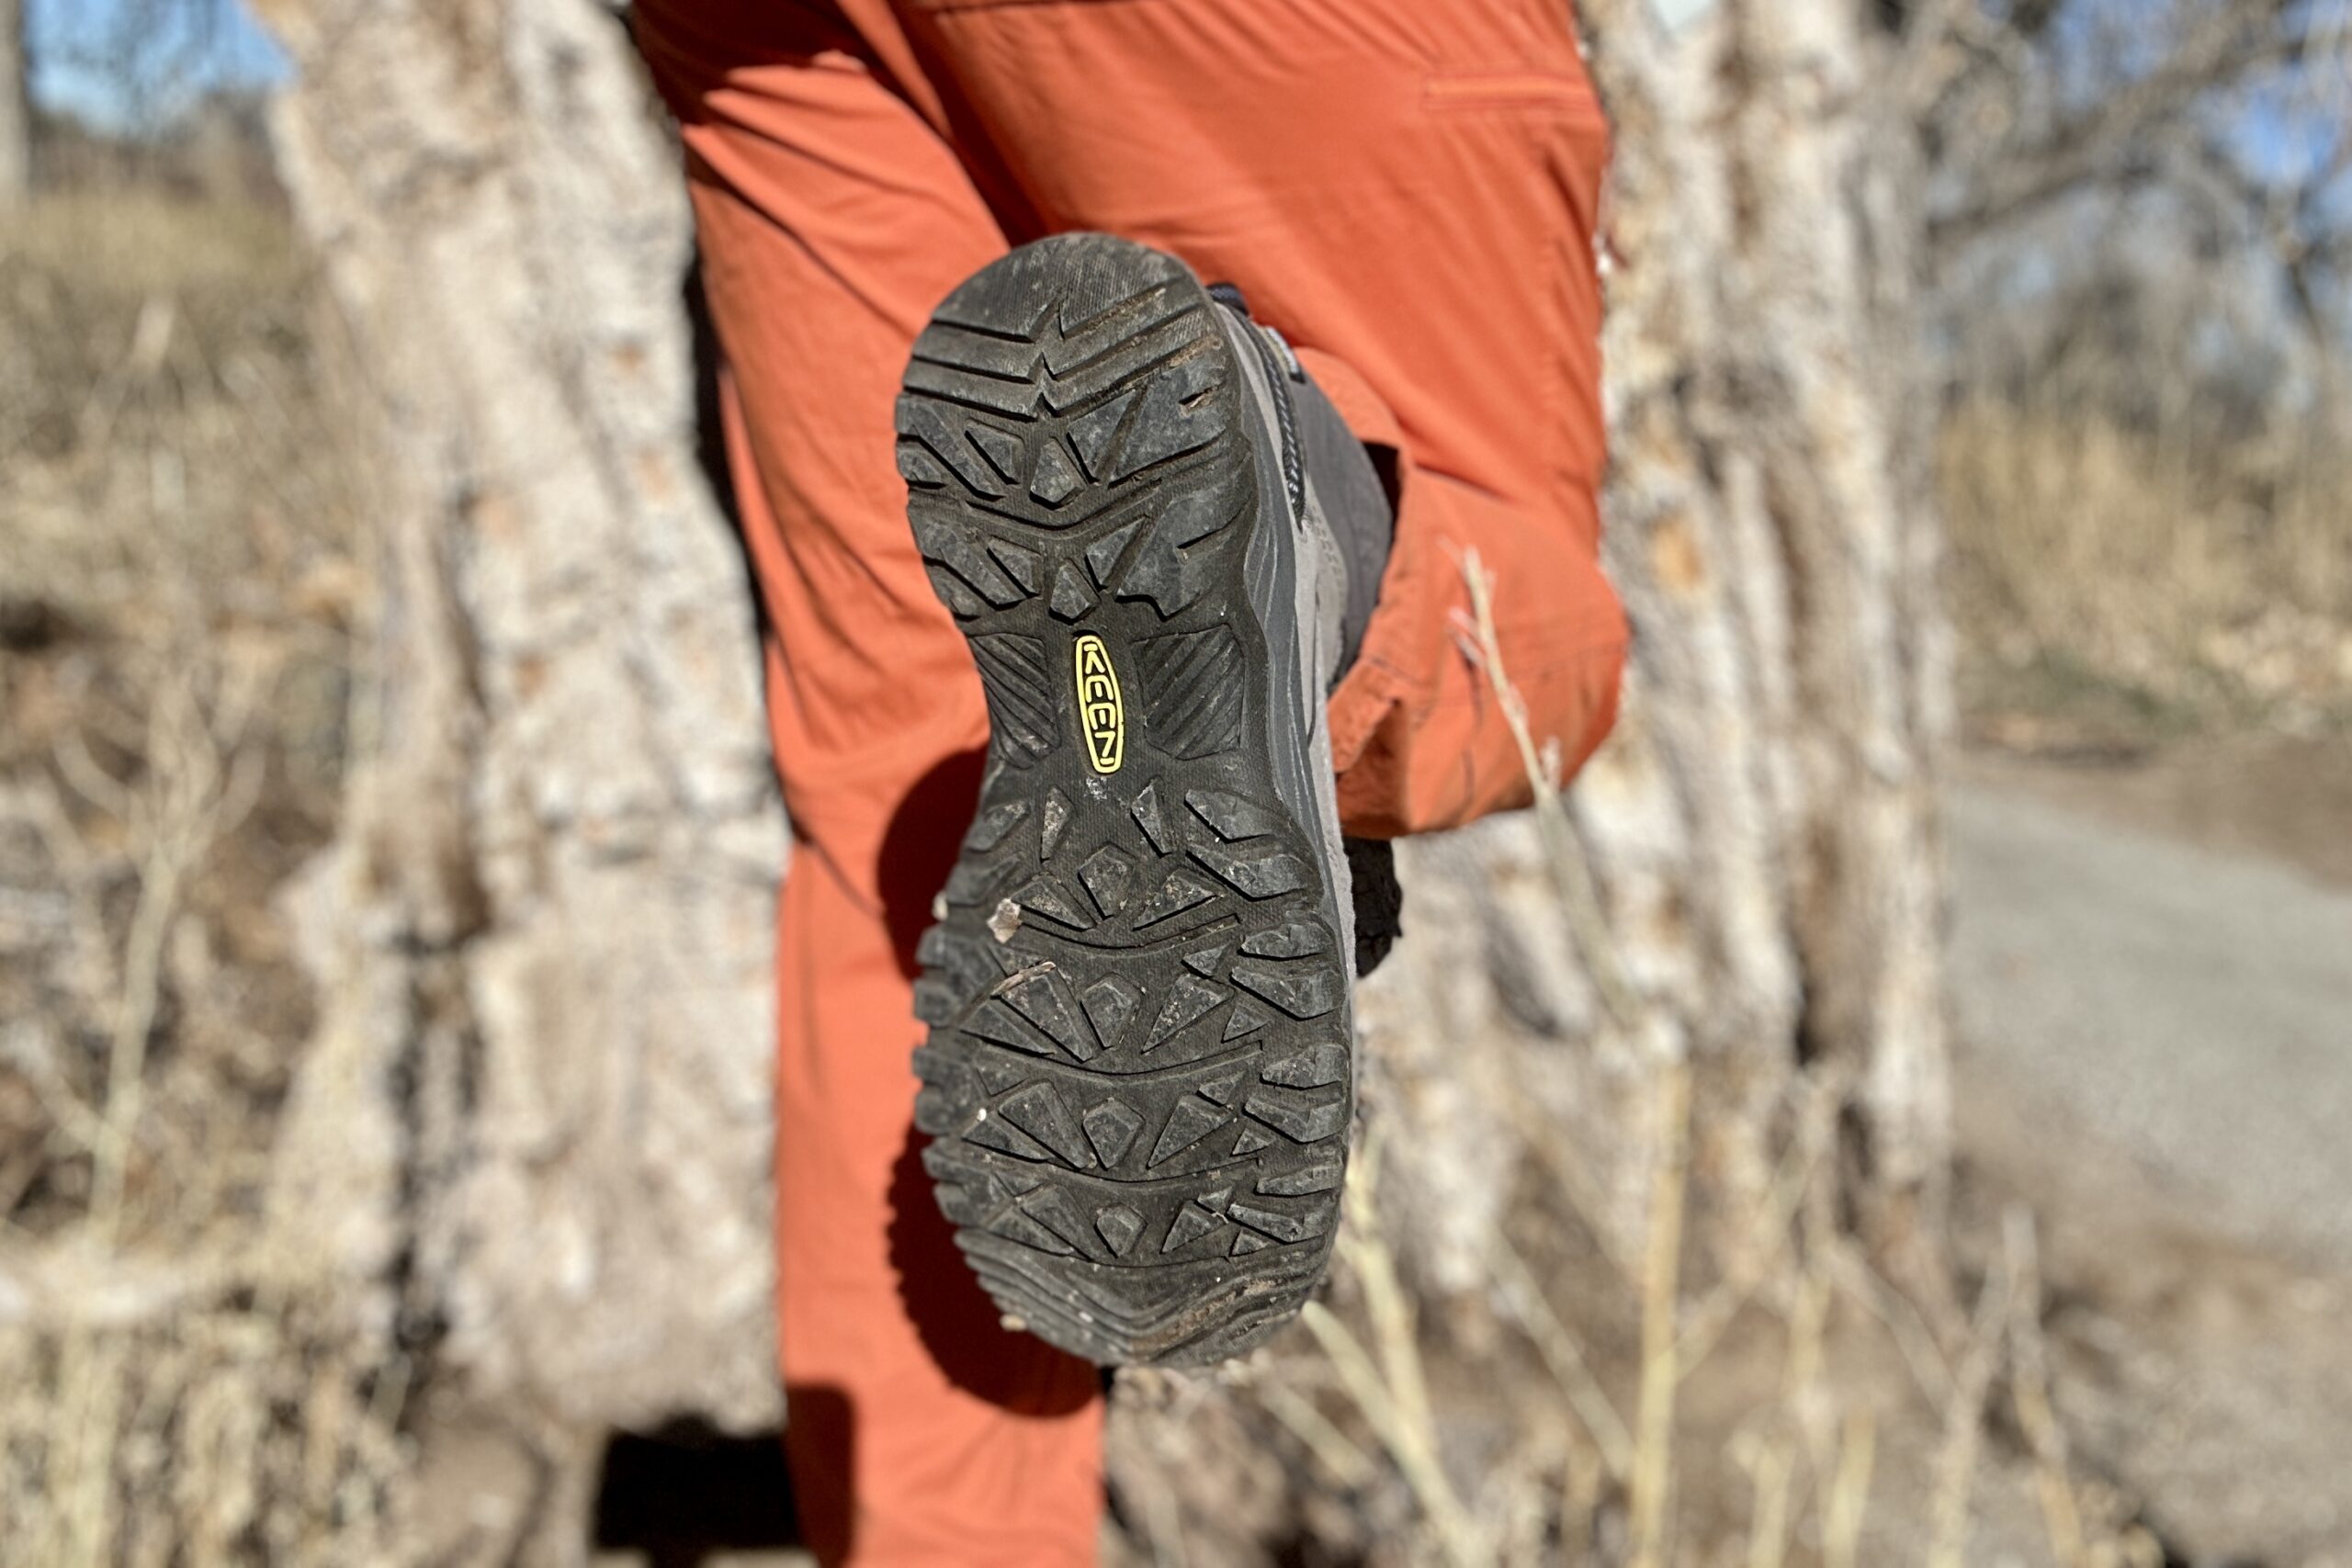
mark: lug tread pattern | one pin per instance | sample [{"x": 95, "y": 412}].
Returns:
[
  {"x": 1192, "y": 683},
  {"x": 1138, "y": 1093}
]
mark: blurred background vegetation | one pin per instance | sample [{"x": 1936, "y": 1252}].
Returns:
[{"x": 2135, "y": 315}]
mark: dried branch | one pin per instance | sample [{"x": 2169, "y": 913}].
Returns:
[
  {"x": 2029, "y": 1390},
  {"x": 1349, "y": 1464},
  {"x": 1523, "y": 1298},
  {"x": 1410, "y": 1446},
  {"x": 1770, "y": 1231},
  {"x": 1577, "y": 895},
  {"x": 1957, "y": 1460},
  {"x": 2118, "y": 137},
  {"x": 197, "y": 787},
  {"x": 1392, "y": 1394}
]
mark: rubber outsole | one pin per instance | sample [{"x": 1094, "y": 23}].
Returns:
[{"x": 1138, "y": 1080}]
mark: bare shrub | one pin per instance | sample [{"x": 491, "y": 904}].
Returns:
[
  {"x": 2148, "y": 580},
  {"x": 178, "y": 576}
]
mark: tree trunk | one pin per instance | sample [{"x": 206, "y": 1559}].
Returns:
[
  {"x": 535, "y": 1119},
  {"x": 16, "y": 107},
  {"x": 1758, "y": 839},
  {"x": 1764, "y": 826},
  {"x": 536, "y": 1116}
]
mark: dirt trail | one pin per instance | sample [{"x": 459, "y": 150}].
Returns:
[
  {"x": 2152, "y": 972},
  {"x": 2192, "y": 1005}
]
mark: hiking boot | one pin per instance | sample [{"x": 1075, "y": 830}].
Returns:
[{"x": 1137, "y": 1082}]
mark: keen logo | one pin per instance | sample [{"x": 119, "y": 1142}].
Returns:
[{"x": 1101, "y": 713}]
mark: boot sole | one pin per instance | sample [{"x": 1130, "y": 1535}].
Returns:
[{"x": 1139, "y": 1094}]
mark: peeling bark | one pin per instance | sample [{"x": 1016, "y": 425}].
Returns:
[
  {"x": 1761, "y": 827},
  {"x": 536, "y": 1118}
]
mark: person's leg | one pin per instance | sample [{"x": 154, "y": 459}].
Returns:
[
  {"x": 831, "y": 219},
  {"x": 1409, "y": 190},
  {"x": 1139, "y": 1068}
]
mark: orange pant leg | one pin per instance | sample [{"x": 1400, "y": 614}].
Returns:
[
  {"x": 832, "y": 220},
  {"x": 919, "y": 1431},
  {"x": 1410, "y": 190}
]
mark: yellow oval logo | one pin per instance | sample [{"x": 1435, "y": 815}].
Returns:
[{"x": 1101, "y": 714}]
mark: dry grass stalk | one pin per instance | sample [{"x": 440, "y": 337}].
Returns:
[
  {"x": 2030, "y": 1392},
  {"x": 1385, "y": 1301},
  {"x": 1661, "y": 1286},
  {"x": 1770, "y": 1466},
  {"x": 1770, "y": 1231},
  {"x": 1413, "y": 1449},
  {"x": 1808, "y": 1405},
  {"x": 1577, "y": 1185},
  {"x": 1393, "y": 1395},
  {"x": 1580, "y": 1488},
  {"x": 1334, "y": 1449},
  {"x": 1849, "y": 1492},
  {"x": 1522, "y": 1295},
  {"x": 1897, "y": 1312},
  {"x": 1577, "y": 895},
  {"x": 1957, "y": 1460}
]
